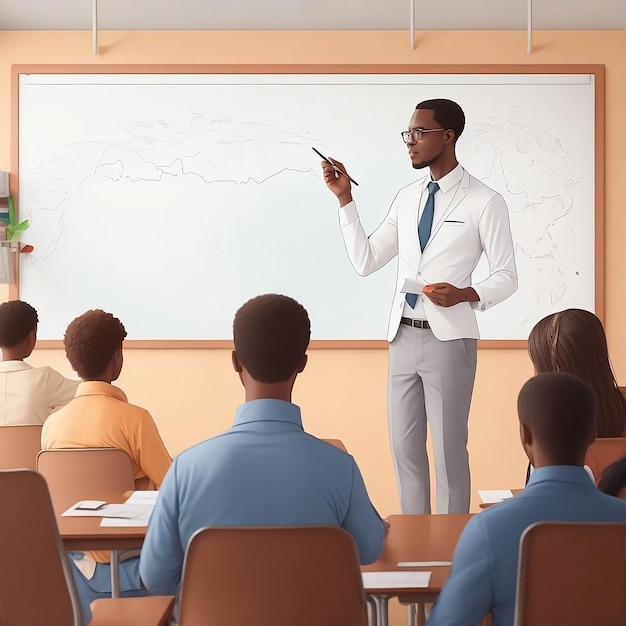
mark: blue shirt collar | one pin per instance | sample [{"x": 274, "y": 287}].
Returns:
[
  {"x": 268, "y": 411},
  {"x": 561, "y": 473}
]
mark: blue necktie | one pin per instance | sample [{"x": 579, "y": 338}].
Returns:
[{"x": 423, "y": 229}]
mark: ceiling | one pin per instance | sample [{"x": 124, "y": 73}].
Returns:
[{"x": 311, "y": 14}]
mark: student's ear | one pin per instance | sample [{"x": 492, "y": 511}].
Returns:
[
  {"x": 32, "y": 340},
  {"x": 526, "y": 437},
  {"x": 303, "y": 363},
  {"x": 236, "y": 364},
  {"x": 117, "y": 362}
]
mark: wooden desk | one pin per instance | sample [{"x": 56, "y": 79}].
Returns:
[
  {"x": 85, "y": 533},
  {"x": 416, "y": 538}
]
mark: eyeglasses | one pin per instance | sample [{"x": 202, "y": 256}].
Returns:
[{"x": 417, "y": 134}]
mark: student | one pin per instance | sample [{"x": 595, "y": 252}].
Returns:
[
  {"x": 28, "y": 393},
  {"x": 613, "y": 479},
  {"x": 573, "y": 341},
  {"x": 557, "y": 423},
  {"x": 265, "y": 470},
  {"x": 438, "y": 227},
  {"x": 101, "y": 417}
]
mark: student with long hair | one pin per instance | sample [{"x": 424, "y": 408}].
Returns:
[{"x": 573, "y": 341}]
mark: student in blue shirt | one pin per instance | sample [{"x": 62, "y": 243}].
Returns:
[
  {"x": 557, "y": 423},
  {"x": 265, "y": 470}
]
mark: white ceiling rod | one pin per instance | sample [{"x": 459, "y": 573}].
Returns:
[
  {"x": 95, "y": 28},
  {"x": 529, "y": 26},
  {"x": 412, "y": 23}
]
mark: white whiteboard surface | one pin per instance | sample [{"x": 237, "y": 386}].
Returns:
[{"x": 170, "y": 199}]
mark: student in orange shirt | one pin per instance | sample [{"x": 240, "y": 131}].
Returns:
[{"x": 100, "y": 416}]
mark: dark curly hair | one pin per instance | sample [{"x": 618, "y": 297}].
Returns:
[
  {"x": 17, "y": 320},
  {"x": 271, "y": 335},
  {"x": 91, "y": 340}
]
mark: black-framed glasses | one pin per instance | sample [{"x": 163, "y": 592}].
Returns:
[{"x": 417, "y": 134}]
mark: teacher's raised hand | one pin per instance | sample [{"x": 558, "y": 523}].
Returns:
[{"x": 338, "y": 184}]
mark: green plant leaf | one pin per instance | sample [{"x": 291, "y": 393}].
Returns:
[{"x": 18, "y": 228}]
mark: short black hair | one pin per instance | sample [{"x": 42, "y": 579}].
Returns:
[
  {"x": 271, "y": 334},
  {"x": 447, "y": 113},
  {"x": 91, "y": 341},
  {"x": 17, "y": 320},
  {"x": 560, "y": 411}
]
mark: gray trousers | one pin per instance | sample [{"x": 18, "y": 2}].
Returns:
[{"x": 430, "y": 382}]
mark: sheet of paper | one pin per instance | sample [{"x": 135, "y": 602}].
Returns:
[
  {"x": 395, "y": 580},
  {"x": 412, "y": 286},
  {"x": 424, "y": 564},
  {"x": 127, "y": 511},
  {"x": 143, "y": 497},
  {"x": 490, "y": 496},
  {"x": 120, "y": 522}
]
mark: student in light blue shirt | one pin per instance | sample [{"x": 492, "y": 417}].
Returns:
[
  {"x": 265, "y": 470},
  {"x": 557, "y": 423}
]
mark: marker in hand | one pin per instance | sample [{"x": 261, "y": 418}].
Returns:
[{"x": 337, "y": 170}]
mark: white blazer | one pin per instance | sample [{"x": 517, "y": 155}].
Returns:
[{"x": 475, "y": 221}]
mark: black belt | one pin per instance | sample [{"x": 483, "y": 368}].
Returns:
[{"x": 417, "y": 323}]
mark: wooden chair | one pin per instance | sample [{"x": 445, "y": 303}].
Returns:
[
  {"x": 604, "y": 451},
  {"x": 36, "y": 582},
  {"x": 572, "y": 574},
  {"x": 272, "y": 576},
  {"x": 19, "y": 446},
  {"x": 337, "y": 443},
  {"x": 75, "y": 474}
]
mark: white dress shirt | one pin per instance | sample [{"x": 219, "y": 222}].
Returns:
[{"x": 28, "y": 394}]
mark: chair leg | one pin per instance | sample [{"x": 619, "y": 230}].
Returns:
[
  {"x": 411, "y": 614},
  {"x": 372, "y": 611}
]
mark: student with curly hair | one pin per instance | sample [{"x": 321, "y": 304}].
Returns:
[
  {"x": 100, "y": 416},
  {"x": 28, "y": 393}
]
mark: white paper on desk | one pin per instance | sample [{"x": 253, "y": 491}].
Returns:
[
  {"x": 489, "y": 496},
  {"x": 424, "y": 563},
  {"x": 120, "y": 522},
  {"x": 148, "y": 497},
  {"x": 125, "y": 511},
  {"x": 395, "y": 580},
  {"x": 412, "y": 286}
]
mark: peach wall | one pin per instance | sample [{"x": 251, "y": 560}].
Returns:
[{"x": 193, "y": 394}]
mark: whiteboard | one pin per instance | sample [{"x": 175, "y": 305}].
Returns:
[{"x": 170, "y": 199}]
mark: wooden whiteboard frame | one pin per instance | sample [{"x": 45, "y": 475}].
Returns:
[{"x": 598, "y": 71}]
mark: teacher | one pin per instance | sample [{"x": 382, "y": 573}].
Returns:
[{"x": 439, "y": 226}]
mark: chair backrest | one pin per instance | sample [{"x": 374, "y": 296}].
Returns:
[
  {"x": 19, "y": 446},
  {"x": 337, "y": 443},
  {"x": 36, "y": 585},
  {"x": 82, "y": 473},
  {"x": 604, "y": 451},
  {"x": 272, "y": 576},
  {"x": 572, "y": 574}
]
